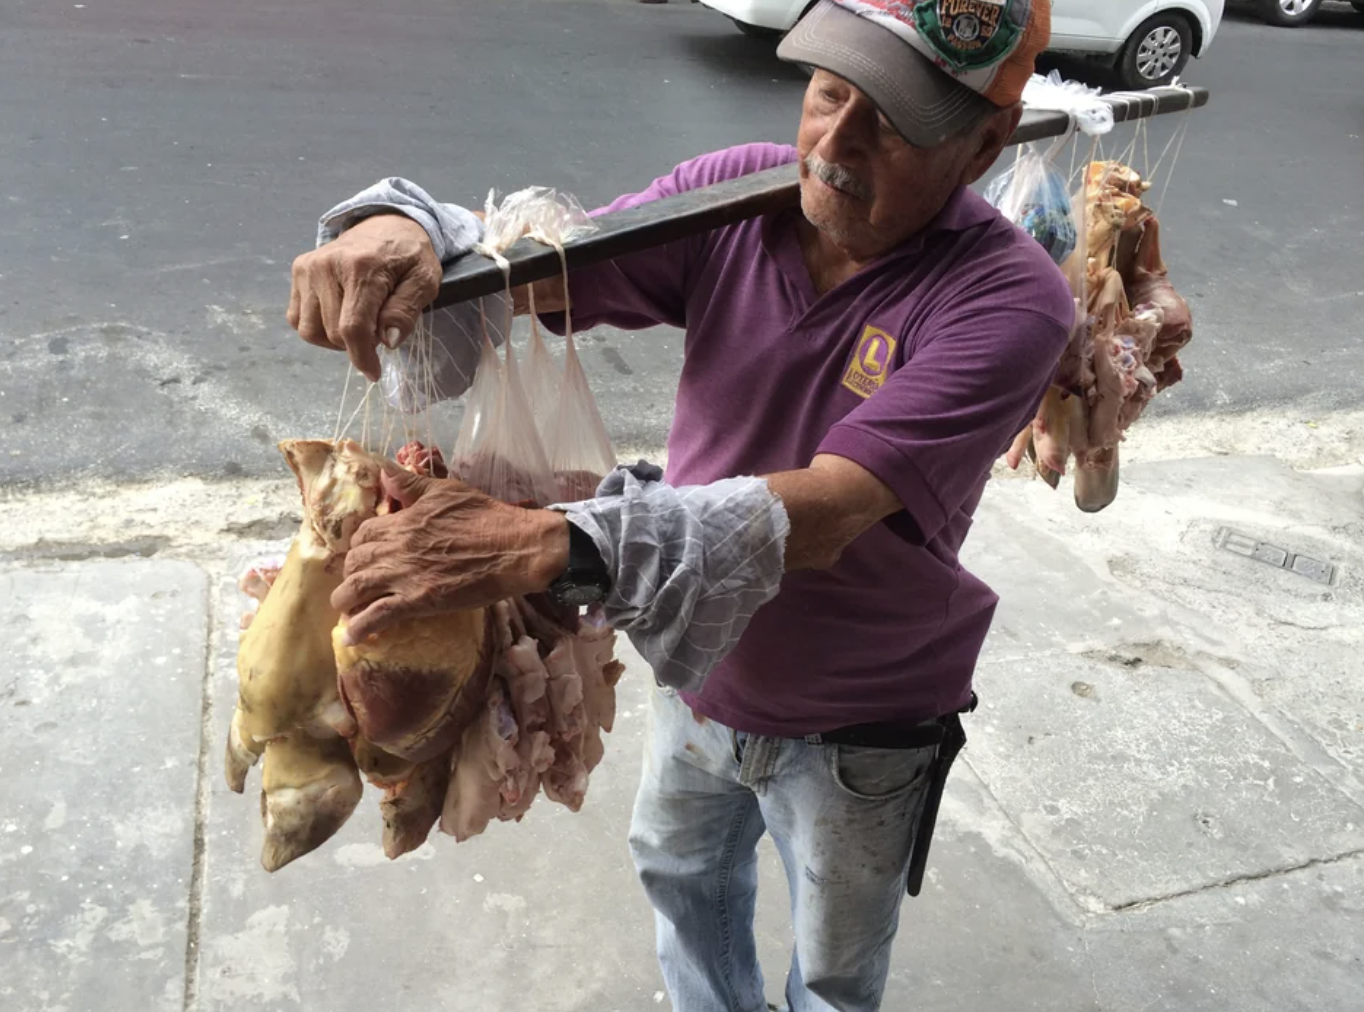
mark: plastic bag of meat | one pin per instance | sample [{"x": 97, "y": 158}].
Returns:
[
  {"x": 579, "y": 450},
  {"x": 440, "y": 358},
  {"x": 581, "y": 453},
  {"x": 505, "y": 457},
  {"x": 480, "y": 406},
  {"x": 543, "y": 379},
  {"x": 1032, "y": 194}
]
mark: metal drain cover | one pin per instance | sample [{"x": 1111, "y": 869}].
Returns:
[{"x": 1279, "y": 558}]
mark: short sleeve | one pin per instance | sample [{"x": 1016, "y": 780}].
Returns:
[
  {"x": 974, "y": 382},
  {"x": 644, "y": 289}
]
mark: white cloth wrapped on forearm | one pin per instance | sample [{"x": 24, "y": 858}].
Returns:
[
  {"x": 689, "y": 566},
  {"x": 453, "y": 230}
]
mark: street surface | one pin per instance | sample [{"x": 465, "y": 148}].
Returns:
[
  {"x": 1161, "y": 804},
  {"x": 1160, "y": 807},
  {"x": 163, "y": 162}
]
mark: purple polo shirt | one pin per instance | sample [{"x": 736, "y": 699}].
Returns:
[{"x": 921, "y": 368}]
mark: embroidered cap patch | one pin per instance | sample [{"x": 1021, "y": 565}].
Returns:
[{"x": 969, "y": 34}]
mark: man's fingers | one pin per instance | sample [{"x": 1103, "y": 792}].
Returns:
[
  {"x": 294, "y": 312},
  {"x": 329, "y": 297},
  {"x": 369, "y": 532},
  {"x": 377, "y": 617},
  {"x": 359, "y": 590},
  {"x": 310, "y": 326},
  {"x": 358, "y": 324},
  {"x": 363, "y": 552},
  {"x": 398, "y": 315},
  {"x": 403, "y": 485}
]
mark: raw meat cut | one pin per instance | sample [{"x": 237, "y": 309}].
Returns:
[
  {"x": 309, "y": 788},
  {"x": 411, "y": 807},
  {"x": 413, "y": 687},
  {"x": 553, "y": 696},
  {"x": 256, "y": 582},
  {"x": 405, "y": 687},
  {"x": 286, "y": 669},
  {"x": 460, "y": 719},
  {"x": 1130, "y": 324},
  {"x": 482, "y": 764}
]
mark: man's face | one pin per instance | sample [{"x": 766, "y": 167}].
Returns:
[{"x": 861, "y": 183}]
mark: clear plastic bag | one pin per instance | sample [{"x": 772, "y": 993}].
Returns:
[
  {"x": 438, "y": 361},
  {"x": 581, "y": 454},
  {"x": 1032, "y": 194},
  {"x": 543, "y": 382},
  {"x": 579, "y": 450},
  {"x": 1085, "y": 105},
  {"x": 537, "y": 212},
  {"x": 498, "y": 449}
]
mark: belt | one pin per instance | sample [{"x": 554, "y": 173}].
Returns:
[{"x": 902, "y": 736}]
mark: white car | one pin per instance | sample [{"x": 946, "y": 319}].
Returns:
[
  {"x": 1292, "y": 13},
  {"x": 1148, "y": 42}
]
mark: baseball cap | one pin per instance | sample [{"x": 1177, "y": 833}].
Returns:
[{"x": 934, "y": 68}]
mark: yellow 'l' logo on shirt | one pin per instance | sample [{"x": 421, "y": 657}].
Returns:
[{"x": 871, "y": 364}]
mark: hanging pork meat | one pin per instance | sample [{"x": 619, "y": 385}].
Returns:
[
  {"x": 460, "y": 719},
  {"x": 1124, "y": 347}
]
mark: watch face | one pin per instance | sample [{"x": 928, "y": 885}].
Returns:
[{"x": 580, "y": 597}]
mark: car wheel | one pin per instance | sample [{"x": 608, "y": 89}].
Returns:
[
  {"x": 1156, "y": 52},
  {"x": 757, "y": 32},
  {"x": 1290, "y": 13}
]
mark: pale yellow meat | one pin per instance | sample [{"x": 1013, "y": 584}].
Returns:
[
  {"x": 286, "y": 667},
  {"x": 309, "y": 787}
]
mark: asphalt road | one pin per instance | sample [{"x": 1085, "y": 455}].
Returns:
[{"x": 162, "y": 162}]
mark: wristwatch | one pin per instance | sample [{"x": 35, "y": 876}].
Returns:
[{"x": 586, "y": 580}]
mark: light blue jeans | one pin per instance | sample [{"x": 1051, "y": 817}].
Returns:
[{"x": 843, "y": 821}]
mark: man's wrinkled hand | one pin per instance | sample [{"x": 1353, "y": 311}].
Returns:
[
  {"x": 450, "y": 548},
  {"x": 369, "y": 284}
]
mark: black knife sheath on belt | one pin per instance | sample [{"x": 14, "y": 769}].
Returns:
[{"x": 954, "y": 737}]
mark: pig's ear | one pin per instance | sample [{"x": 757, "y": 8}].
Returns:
[{"x": 307, "y": 458}]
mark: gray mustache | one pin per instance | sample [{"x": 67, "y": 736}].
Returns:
[{"x": 837, "y": 176}]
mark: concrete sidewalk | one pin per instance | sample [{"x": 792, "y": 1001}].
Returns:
[{"x": 1161, "y": 806}]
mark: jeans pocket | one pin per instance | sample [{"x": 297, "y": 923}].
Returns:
[{"x": 875, "y": 774}]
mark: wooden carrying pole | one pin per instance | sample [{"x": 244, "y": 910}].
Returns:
[{"x": 709, "y": 208}]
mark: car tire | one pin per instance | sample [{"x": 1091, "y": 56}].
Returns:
[
  {"x": 758, "y": 32},
  {"x": 1290, "y": 13},
  {"x": 1156, "y": 53}
]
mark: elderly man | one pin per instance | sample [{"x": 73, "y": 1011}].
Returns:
[{"x": 851, "y": 372}]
